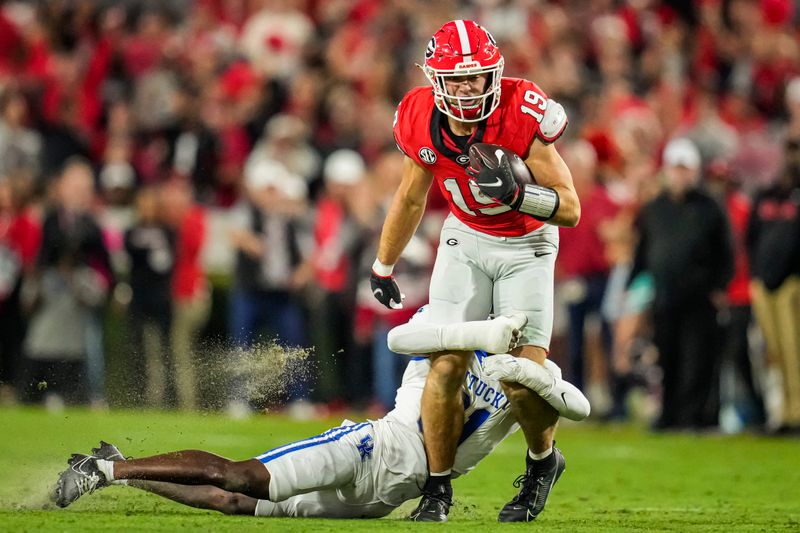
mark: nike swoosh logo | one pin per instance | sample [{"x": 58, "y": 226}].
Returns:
[
  {"x": 497, "y": 183},
  {"x": 564, "y": 398},
  {"x": 540, "y": 254},
  {"x": 377, "y": 293}
]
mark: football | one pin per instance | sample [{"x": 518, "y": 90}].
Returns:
[{"x": 491, "y": 155}]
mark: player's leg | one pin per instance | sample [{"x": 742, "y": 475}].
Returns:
[
  {"x": 544, "y": 463},
  {"x": 536, "y": 417},
  {"x": 525, "y": 284},
  {"x": 459, "y": 292},
  {"x": 321, "y": 504},
  {"x": 194, "y": 467},
  {"x": 309, "y": 473},
  {"x": 443, "y": 409},
  {"x": 200, "y": 496},
  {"x": 87, "y": 473},
  {"x": 525, "y": 268}
]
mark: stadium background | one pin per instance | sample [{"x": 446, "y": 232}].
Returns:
[{"x": 255, "y": 137}]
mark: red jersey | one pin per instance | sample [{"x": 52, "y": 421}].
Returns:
[{"x": 420, "y": 132}]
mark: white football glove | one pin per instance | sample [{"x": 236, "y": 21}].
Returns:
[
  {"x": 502, "y": 367},
  {"x": 538, "y": 378},
  {"x": 545, "y": 380},
  {"x": 503, "y": 333}
]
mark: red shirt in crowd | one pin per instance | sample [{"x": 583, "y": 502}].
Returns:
[
  {"x": 331, "y": 264},
  {"x": 189, "y": 278},
  {"x": 20, "y": 237},
  {"x": 738, "y": 207},
  {"x": 581, "y": 249}
]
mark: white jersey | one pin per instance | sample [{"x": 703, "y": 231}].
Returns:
[
  {"x": 487, "y": 413},
  {"x": 367, "y": 469}
]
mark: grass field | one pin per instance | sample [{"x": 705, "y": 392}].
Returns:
[{"x": 617, "y": 478}]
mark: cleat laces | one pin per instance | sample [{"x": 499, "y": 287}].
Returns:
[{"x": 86, "y": 481}]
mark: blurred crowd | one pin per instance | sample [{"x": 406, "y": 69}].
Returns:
[{"x": 180, "y": 170}]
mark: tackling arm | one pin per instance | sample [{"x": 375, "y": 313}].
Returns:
[
  {"x": 545, "y": 381},
  {"x": 492, "y": 336}
]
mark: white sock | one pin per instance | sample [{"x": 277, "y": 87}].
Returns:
[
  {"x": 539, "y": 456},
  {"x": 107, "y": 468},
  {"x": 444, "y": 473}
]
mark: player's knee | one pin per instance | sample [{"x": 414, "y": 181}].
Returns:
[
  {"x": 232, "y": 503},
  {"x": 228, "y": 475},
  {"x": 251, "y": 478}
]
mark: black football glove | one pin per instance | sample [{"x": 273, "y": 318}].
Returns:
[
  {"x": 386, "y": 291},
  {"x": 494, "y": 177}
]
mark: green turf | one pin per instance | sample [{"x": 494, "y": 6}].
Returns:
[{"x": 617, "y": 479}]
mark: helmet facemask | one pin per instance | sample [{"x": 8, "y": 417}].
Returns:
[{"x": 480, "y": 106}]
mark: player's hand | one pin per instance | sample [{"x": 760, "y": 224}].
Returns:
[
  {"x": 493, "y": 175},
  {"x": 503, "y": 333},
  {"x": 386, "y": 291},
  {"x": 502, "y": 367}
]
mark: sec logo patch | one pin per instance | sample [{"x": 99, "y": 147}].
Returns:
[{"x": 427, "y": 155}]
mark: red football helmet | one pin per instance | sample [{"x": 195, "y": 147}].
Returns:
[{"x": 464, "y": 48}]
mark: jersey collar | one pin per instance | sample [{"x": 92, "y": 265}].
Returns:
[{"x": 439, "y": 123}]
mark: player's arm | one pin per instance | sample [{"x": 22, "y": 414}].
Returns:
[
  {"x": 503, "y": 176},
  {"x": 420, "y": 337},
  {"x": 551, "y": 172},
  {"x": 493, "y": 336},
  {"x": 545, "y": 381},
  {"x": 551, "y": 197},
  {"x": 405, "y": 213}
]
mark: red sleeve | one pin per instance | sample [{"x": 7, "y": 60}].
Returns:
[
  {"x": 409, "y": 118},
  {"x": 519, "y": 121},
  {"x": 525, "y": 109},
  {"x": 534, "y": 98}
]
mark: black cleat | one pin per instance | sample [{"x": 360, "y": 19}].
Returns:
[
  {"x": 107, "y": 451},
  {"x": 434, "y": 505},
  {"x": 536, "y": 484},
  {"x": 82, "y": 477}
]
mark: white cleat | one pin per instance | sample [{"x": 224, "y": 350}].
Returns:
[{"x": 504, "y": 332}]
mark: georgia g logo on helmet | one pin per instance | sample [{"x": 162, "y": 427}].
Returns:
[
  {"x": 431, "y": 48},
  {"x": 463, "y": 48}
]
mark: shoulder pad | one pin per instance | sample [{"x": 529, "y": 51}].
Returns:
[{"x": 554, "y": 122}]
